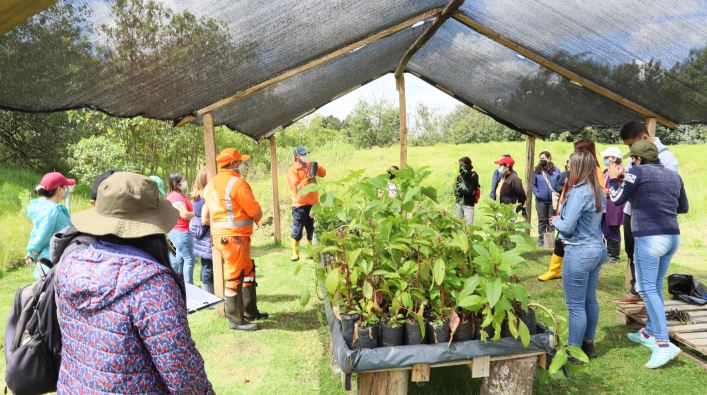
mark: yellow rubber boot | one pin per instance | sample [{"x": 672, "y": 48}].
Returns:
[
  {"x": 555, "y": 269},
  {"x": 295, "y": 250}
]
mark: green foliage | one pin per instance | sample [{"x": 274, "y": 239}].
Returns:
[
  {"x": 96, "y": 154},
  {"x": 375, "y": 123}
]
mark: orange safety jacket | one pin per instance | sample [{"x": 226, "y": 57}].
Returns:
[
  {"x": 297, "y": 178},
  {"x": 232, "y": 206}
]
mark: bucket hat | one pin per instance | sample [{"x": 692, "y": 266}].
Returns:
[{"x": 128, "y": 205}]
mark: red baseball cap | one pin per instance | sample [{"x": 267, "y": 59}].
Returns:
[
  {"x": 54, "y": 180},
  {"x": 506, "y": 160},
  {"x": 230, "y": 155}
]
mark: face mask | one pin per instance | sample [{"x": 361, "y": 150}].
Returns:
[
  {"x": 463, "y": 169},
  {"x": 304, "y": 159},
  {"x": 543, "y": 162},
  {"x": 67, "y": 192},
  {"x": 607, "y": 162},
  {"x": 183, "y": 185},
  {"x": 241, "y": 168},
  {"x": 500, "y": 169}
]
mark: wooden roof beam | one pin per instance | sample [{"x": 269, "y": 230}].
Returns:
[
  {"x": 14, "y": 12},
  {"x": 316, "y": 62},
  {"x": 446, "y": 13},
  {"x": 571, "y": 75}
]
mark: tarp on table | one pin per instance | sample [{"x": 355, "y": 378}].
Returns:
[{"x": 356, "y": 361}]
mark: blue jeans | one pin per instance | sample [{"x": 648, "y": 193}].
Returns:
[
  {"x": 580, "y": 275},
  {"x": 183, "y": 262},
  {"x": 207, "y": 271},
  {"x": 652, "y": 255}
]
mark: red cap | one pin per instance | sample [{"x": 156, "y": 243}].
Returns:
[
  {"x": 54, "y": 180},
  {"x": 230, "y": 155},
  {"x": 506, "y": 160}
]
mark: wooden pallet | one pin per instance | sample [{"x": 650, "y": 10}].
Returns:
[
  {"x": 501, "y": 374},
  {"x": 693, "y": 336}
]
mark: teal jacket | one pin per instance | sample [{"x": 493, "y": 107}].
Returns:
[{"x": 48, "y": 218}]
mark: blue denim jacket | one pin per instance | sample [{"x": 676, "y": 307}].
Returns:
[{"x": 579, "y": 222}]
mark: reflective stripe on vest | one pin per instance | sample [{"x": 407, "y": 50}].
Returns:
[
  {"x": 229, "y": 203},
  {"x": 231, "y": 224}
]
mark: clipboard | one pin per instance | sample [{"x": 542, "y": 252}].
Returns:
[{"x": 198, "y": 299}]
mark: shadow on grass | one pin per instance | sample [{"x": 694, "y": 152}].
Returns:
[{"x": 300, "y": 321}]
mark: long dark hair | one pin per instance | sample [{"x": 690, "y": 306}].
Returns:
[
  {"x": 174, "y": 180},
  {"x": 550, "y": 167},
  {"x": 155, "y": 246}
]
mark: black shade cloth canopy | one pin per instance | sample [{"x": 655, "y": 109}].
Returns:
[{"x": 167, "y": 59}]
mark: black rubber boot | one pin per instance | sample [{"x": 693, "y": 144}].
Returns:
[
  {"x": 250, "y": 301},
  {"x": 588, "y": 348},
  {"x": 234, "y": 313}
]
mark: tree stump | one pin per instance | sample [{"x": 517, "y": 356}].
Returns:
[
  {"x": 393, "y": 382},
  {"x": 511, "y": 377}
]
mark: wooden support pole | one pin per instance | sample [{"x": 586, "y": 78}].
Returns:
[
  {"x": 210, "y": 155},
  {"x": 400, "y": 84},
  {"x": 512, "y": 377},
  {"x": 571, "y": 75},
  {"x": 529, "y": 164},
  {"x": 650, "y": 125},
  {"x": 391, "y": 382},
  {"x": 275, "y": 191}
]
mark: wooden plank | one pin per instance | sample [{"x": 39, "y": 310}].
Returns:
[
  {"x": 622, "y": 318},
  {"x": 511, "y": 377},
  {"x": 695, "y": 343},
  {"x": 185, "y": 120},
  {"x": 691, "y": 336},
  {"x": 316, "y": 62},
  {"x": 529, "y": 164},
  {"x": 650, "y": 126},
  {"x": 698, "y": 313},
  {"x": 481, "y": 366},
  {"x": 275, "y": 191},
  {"x": 693, "y": 355},
  {"x": 400, "y": 85},
  {"x": 15, "y": 12},
  {"x": 420, "y": 373},
  {"x": 451, "y": 7},
  {"x": 687, "y": 328},
  {"x": 542, "y": 361},
  {"x": 210, "y": 156},
  {"x": 571, "y": 75},
  {"x": 386, "y": 382}
]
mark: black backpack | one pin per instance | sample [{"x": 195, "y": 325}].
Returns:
[{"x": 32, "y": 336}]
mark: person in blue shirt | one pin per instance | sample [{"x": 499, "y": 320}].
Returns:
[
  {"x": 49, "y": 216},
  {"x": 579, "y": 224},
  {"x": 545, "y": 183},
  {"x": 657, "y": 196}
]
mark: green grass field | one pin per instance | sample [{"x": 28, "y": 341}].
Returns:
[{"x": 290, "y": 354}]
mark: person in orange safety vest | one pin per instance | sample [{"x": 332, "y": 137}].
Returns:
[
  {"x": 302, "y": 173},
  {"x": 230, "y": 209}
]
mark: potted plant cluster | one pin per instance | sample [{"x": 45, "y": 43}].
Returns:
[{"x": 400, "y": 269}]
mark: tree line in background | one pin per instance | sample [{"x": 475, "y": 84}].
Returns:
[{"x": 86, "y": 143}]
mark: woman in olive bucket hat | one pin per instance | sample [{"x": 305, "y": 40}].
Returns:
[{"x": 123, "y": 313}]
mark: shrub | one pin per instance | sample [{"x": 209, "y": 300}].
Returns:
[{"x": 93, "y": 155}]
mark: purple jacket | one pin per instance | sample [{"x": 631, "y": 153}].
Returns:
[
  {"x": 124, "y": 326},
  {"x": 614, "y": 213}
]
